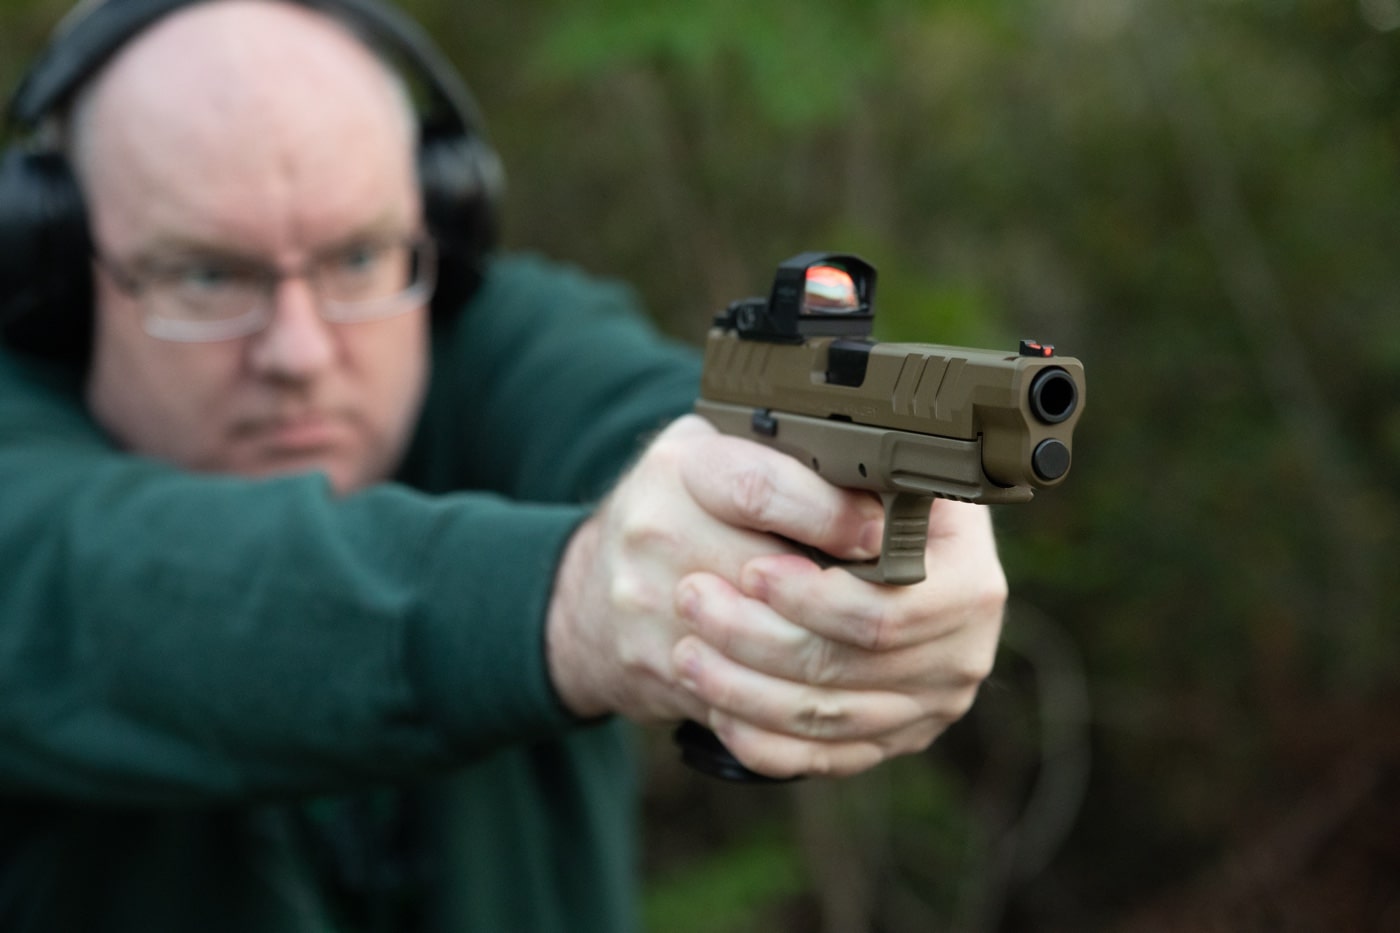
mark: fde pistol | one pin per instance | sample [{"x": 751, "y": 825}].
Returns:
[{"x": 798, "y": 372}]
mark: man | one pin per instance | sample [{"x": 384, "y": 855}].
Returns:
[{"x": 307, "y": 622}]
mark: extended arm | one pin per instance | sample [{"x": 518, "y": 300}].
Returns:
[{"x": 173, "y": 637}]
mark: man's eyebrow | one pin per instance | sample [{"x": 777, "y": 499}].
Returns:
[
  {"x": 375, "y": 233},
  {"x": 387, "y": 225},
  {"x": 163, "y": 249}
]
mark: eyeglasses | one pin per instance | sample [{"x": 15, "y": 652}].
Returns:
[{"x": 209, "y": 297}]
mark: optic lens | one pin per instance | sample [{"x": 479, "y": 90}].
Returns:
[{"x": 830, "y": 290}]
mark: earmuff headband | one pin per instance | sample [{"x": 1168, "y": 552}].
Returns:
[{"x": 86, "y": 45}]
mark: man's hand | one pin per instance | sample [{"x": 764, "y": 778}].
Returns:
[{"x": 680, "y": 599}]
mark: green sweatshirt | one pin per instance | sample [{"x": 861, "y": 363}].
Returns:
[{"x": 249, "y": 705}]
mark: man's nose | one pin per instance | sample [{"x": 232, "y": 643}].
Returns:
[{"x": 297, "y": 342}]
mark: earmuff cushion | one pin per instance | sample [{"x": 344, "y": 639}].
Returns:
[{"x": 45, "y": 281}]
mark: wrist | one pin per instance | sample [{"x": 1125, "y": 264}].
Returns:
[{"x": 572, "y": 659}]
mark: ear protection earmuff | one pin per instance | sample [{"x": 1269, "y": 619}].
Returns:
[{"x": 45, "y": 248}]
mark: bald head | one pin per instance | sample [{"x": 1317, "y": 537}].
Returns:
[{"x": 234, "y": 84}]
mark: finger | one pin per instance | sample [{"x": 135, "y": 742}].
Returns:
[
  {"x": 652, "y": 522},
  {"x": 748, "y": 485},
  {"x": 784, "y": 756},
  {"x": 959, "y": 533},
  {"x": 746, "y": 630},
  {"x": 649, "y": 549},
  {"x": 794, "y": 709},
  {"x": 752, "y": 634},
  {"x": 965, "y": 587}
]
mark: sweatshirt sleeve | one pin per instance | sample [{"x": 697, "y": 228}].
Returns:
[{"x": 172, "y": 637}]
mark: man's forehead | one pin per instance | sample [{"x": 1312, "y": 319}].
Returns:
[{"x": 222, "y": 71}]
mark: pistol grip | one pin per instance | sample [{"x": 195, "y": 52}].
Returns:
[{"x": 901, "y": 560}]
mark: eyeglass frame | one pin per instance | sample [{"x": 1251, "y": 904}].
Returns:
[{"x": 136, "y": 282}]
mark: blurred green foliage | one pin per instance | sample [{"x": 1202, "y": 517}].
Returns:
[
  {"x": 733, "y": 889},
  {"x": 1199, "y": 199}
]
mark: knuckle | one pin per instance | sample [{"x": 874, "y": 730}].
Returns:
[
  {"x": 874, "y": 626},
  {"x": 954, "y": 705},
  {"x": 634, "y": 594},
  {"x": 821, "y": 763},
  {"x": 992, "y": 595},
  {"x": 819, "y": 664},
  {"x": 976, "y": 667},
  {"x": 667, "y": 450},
  {"x": 638, "y": 534},
  {"x": 821, "y": 717},
  {"x": 753, "y": 491}
]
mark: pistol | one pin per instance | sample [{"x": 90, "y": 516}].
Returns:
[{"x": 798, "y": 372}]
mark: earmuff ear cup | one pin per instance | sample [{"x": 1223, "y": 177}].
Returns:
[
  {"x": 45, "y": 252},
  {"x": 462, "y": 181}
]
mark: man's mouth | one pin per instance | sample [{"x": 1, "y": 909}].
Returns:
[{"x": 306, "y": 433}]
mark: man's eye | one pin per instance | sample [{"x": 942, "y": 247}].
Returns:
[
  {"x": 205, "y": 277},
  {"x": 359, "y": 259}
]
